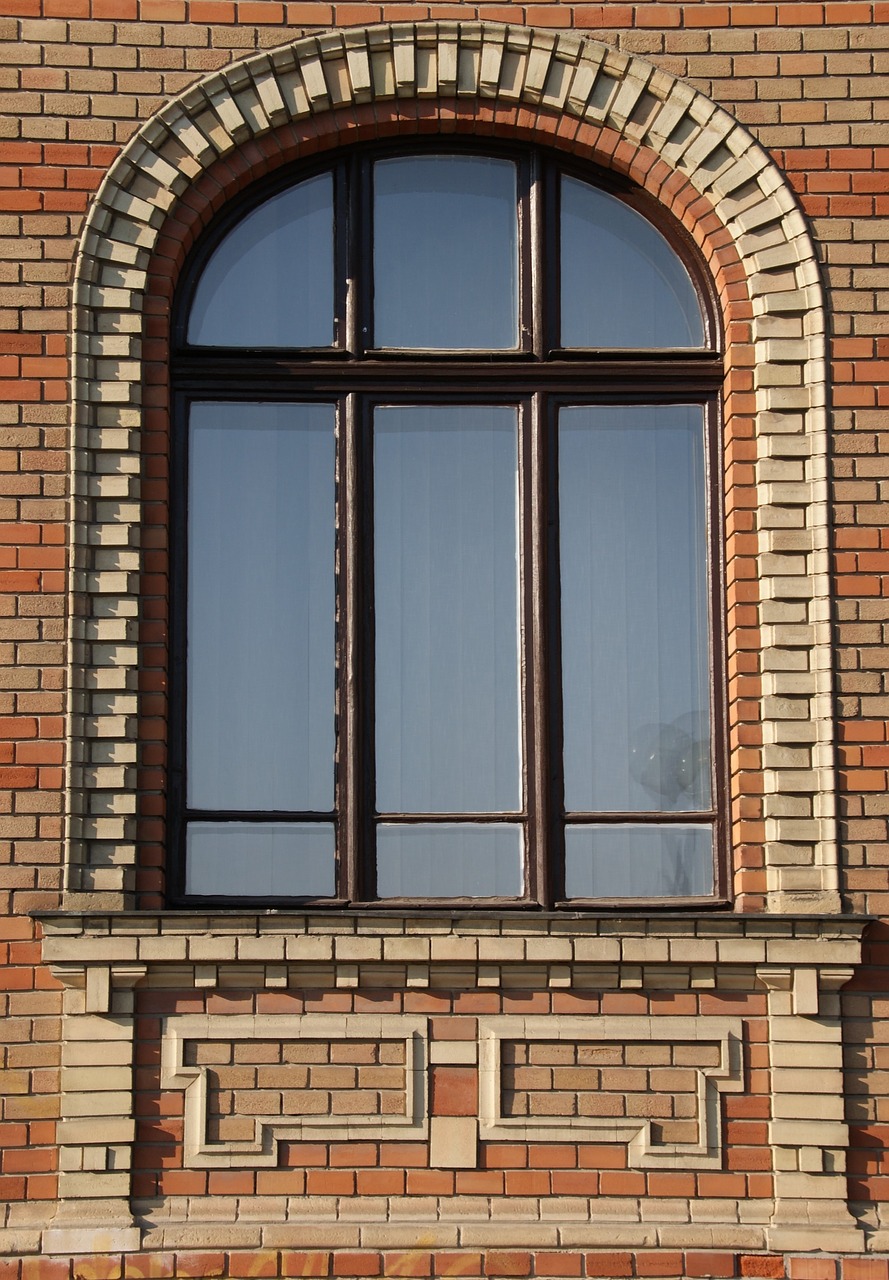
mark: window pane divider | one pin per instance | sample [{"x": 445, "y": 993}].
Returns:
[
  {"x": 538, "y": 745},
  {"x": 260, "y": 815},
  {"x": 236, "y": 374},
  {"x": 641, "y": 908},
  {"x": 510, "y": 816},
  {"x": 350, "y": 740},
  {"x": 681, "y": 817}
]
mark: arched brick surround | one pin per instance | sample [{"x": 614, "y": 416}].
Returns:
[{"x": 617, "y": 110}]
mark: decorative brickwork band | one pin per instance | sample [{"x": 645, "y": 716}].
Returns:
[
  {"x": 97, "y": 1129},
  {"x": 694, "y": 1061},
  {"x": 808, "y": 1137},
  {"x": 730, "y": 196},
  {"x": 301, "y": 1095},
  {"x": 631, "y": 1054}
]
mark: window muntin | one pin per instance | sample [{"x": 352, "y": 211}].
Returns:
[{"x": 528, "y": 846}]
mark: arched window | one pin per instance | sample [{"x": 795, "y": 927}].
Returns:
[{"x": 446, "y": 579}]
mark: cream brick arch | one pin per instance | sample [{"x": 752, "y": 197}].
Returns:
[{"x": 574, "y": 82}]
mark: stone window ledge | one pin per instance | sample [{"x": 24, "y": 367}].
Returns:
[
  {"x": 350, "y": 942},
  {"x": 790, "y": 967}
]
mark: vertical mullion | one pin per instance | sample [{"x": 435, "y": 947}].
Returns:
[
  {"x": 349, "y": 746},
  {"x": 549, "y": 258},
  {"x": 361, "y": 275},
  {"x": 529, "y": 240},
  {"x": 536, "y": 722},
  {"x": 178, "y": 612},
  {"x": 344, "y": 289},
  {"x": 534, "y": 576},
  {"x": 353, "y": 208},
  {"x": 716, "y": 578},
  {"x": 365, "y": 631},
  {"x": 552, "y": 622},
  {"x": 535, "y": 223}
]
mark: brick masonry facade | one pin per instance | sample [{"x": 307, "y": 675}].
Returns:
[{"x": 686, "y": 1095}]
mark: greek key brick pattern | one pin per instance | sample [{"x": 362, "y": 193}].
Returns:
[
  {"x": 268, "y": 1078},
  {"x": 658, "y": 1091},
  {"x": 640, "y": 1081},
  {"x": 250, "y": 1082}
]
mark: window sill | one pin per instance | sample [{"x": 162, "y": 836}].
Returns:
[{"x": 386, "y": 948}]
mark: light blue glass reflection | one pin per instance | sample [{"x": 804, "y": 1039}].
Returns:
[
  {"x": 270, "y": 282},
  {"x": 451, "y": 860},
  {"x": 446, "y": 595},
  {"x": 445, "y": 254},
  {"x": 261, "y": 607},
  {"x": 635, "y": 617},
  {"x": 260, "y": 859},
  {"x": 622, "y": 284},
  {"x": 638, "y": 861}
]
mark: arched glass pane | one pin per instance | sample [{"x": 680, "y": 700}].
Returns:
[
  {"x": 445, "y": 253},
  {"x": 622, "y": 284},
  {"x": 261, "y": 607},
  {"x": 270, "y": 282},
  {"x": 635, "y": 609}
]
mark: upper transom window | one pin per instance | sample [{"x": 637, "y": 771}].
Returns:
[{"x": 445, "y": 563}]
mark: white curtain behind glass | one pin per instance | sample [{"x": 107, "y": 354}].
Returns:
[
  {"x": 446, "y": 597},
  {"x": 635, "y": 636},
  {"x": 261, "y": 607}
]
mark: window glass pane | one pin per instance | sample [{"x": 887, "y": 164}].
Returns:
[
  {"x": 638, "y": 862},
  {"x": 446, "y": 594},
  {"x": 270, "y": 281},
  {"x": 261, "y": 607},
  {"x": 622, "y": 284},
  {"x": 260, "y": 860},
  {"x": 445, "y": 253},
  {"x": 453, "y": 860},
  {"x": 635, "y": 651}
]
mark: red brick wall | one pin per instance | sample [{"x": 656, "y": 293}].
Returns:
[{"x": 76, "y": 80}]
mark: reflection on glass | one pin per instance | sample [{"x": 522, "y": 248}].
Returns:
[
  {"x": 445, "y": 253},
  {"x": 261, "y": 607},
  {"x": 270, "y": 282},
  {"x": 635, "y": 648},
  {"x": 451, "y": 860},
  {"x": 446, "y": 594},
  {"x": 260, "y": 859},
  {"x": 638, "y": 861},
  {"x": 622, "y": 284}
]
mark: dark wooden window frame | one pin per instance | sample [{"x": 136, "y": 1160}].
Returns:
[{"x": 537, "y": 378}]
